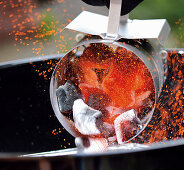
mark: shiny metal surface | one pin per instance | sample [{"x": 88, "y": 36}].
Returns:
[
  {"x": 156, "y": 30},
  {"x": 121, "y": 150}
]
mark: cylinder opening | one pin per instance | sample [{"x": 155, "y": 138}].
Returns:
[{"x": 104, "y": 89}]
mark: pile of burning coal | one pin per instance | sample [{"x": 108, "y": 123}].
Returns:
[{"x": 107, "y": 93}]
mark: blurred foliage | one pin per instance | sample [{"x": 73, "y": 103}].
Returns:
[
  {"x": 48, "y": 26},
  {"x": 171, "y": 10}
]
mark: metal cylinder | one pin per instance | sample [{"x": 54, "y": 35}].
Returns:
[{"x": 142, "y": 49}]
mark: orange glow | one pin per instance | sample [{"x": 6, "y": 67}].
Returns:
[
  {"x": 117, "y": 78},
  {"x": 168, "y": 119}
]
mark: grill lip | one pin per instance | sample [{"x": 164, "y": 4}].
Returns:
[{"x": 74, "y": 152}]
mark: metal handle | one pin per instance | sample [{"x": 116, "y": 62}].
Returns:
[{"x": 114, "y": 19}]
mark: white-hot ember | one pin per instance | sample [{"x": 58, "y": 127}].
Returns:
[
  {"x": 85, "y": 118},
  {"x": 133, "y": 121}
]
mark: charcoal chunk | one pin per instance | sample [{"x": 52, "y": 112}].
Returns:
[{"x": 66, "y": 95}]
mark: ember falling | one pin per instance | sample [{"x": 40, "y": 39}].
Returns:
[
  {"x": 168, "y": 119},
  {"x": 105, "y": 92}
]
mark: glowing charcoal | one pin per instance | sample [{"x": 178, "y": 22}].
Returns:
[{"x": 107, "y": 91}]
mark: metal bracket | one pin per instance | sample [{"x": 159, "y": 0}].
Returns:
[
  {"x": 114, "y": 19},
  {"x": 95, "y": 24}
]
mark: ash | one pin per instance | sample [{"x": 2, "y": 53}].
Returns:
[{"x": 89, "y": 122}]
